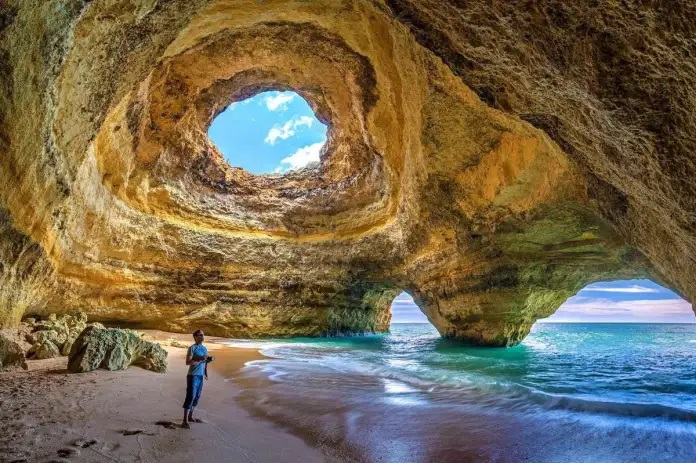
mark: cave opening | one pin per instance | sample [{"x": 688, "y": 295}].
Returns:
[
  {"x": 624, "y": 301},
  {"x": 272, "y": 132},
  {"x": 404, "y": 310}
]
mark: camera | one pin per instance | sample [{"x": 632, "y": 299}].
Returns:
[{"x": 209, "y": 359}]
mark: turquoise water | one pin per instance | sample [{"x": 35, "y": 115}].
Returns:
[{"x": 569, "y": 392}]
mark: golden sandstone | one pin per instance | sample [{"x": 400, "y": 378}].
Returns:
[{"x": 489, "y": 158}]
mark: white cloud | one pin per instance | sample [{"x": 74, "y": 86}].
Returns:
[
  {"x": 641, "y": 310},
  {"x": 279, "y": 101},
  {"x": 305, "y": 120},
  {"x": 631, "y": 289},
  {"x": 404, "y": 303},
  {"x": 300, "y": 158},
  {"x": 288, "y": 129},
  {"x": 403, "y": 297}
]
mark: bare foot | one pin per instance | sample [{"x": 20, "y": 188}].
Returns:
[
  {"x": 185, "y": 425},
  {"x": 196, "y": 420}
]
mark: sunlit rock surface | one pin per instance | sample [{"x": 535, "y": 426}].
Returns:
[{"x": 491, "y": 160}]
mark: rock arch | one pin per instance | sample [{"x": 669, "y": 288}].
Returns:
[{"x": 493, "y": 181}]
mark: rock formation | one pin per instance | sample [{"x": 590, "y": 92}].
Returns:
[
  {"x": 55, "y": 336},
  {"x": 489, "y": 158},
  {"x": 114, "y": 349},
  {"x": 11, "y": 352},
  {"x": 43, "y": 339}
]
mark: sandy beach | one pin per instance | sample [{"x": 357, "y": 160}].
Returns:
[
  {"x": 48, "y": 414},
  {"x": 346, "y": 400}
]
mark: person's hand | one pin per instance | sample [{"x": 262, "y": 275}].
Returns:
[{"x": 206, "y": 377}]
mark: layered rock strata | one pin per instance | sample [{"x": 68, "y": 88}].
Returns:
[{"x": 490, "y": 159}]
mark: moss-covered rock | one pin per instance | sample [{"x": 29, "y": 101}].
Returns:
[
  {"x": 44, "y": 349},
  {"x": 114, "y": 349}
]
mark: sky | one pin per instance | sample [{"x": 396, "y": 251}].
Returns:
[
  {"x": 272, "y": 132},
  {"x": 625, "y": 301}
]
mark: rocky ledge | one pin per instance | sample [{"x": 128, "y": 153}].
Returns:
[{"x": 490, "y": 159}]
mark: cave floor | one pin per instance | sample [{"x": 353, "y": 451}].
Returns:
[{"x": 47, "y": 414}]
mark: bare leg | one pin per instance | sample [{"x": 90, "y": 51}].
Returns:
[
  {"x": 190, "y": 414},
  {"x": 185, "y": 423}
]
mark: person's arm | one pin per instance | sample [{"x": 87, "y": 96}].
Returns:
[
  {"x": 206, "y": 370},
  {"x": 194, "y": 360}
]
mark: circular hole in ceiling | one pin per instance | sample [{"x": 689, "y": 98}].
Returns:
[{"x": 270, "y": 133}]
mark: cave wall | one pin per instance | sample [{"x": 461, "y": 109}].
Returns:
[{"x": 491, "y": 159}]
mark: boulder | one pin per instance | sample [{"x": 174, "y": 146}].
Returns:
[
  {"x": 48, "y": 335},
  {"x": 114, "y": 349},
  {"x": 43, "y": 349},
  {"x": 67, "y": 346},
  {"x": 76, "y": 324},
  {"x": 55, "y": 335},
  {"x": 11, "y": 352}
]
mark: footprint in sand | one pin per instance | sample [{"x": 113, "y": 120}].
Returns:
[
  {"x": 68, "y": 453},
  {"x": 133, "y": 432},
  {"x": 82, "y": 443},
  {"x": 166, "y": 424}
]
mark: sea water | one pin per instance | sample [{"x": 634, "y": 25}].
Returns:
[{"x": 570, "y": 392}]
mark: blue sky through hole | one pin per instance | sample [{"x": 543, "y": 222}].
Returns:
[
  {"x": 272, "y": 132},
  {"x": 625, "y": 301}
]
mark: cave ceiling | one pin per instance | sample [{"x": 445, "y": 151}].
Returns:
[{"x": 491, "y": 159}]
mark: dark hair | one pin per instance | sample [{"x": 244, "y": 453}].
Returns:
[{"x": 197, "y": 332}]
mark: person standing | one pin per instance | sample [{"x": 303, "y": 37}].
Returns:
[{"x": 196, "y": 359}]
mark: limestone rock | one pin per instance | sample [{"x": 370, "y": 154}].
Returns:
[
  {"x": 76, "y": 324},
  {"x": 55, "y": 335},
  {"x": 11, "y": 353},
  {"x": 490, "y": 158},
  {"x": 44, "y": 349},
  {"x": 114, "y": 349}
]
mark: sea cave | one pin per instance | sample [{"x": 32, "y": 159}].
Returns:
[{"x": 489, "y": 160}]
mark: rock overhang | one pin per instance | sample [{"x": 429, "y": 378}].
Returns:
[{"x": 423, "y": 186}]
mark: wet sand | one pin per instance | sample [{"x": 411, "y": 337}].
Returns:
[
  {"x": 253, "y": 398},
  {"x": 47, "y": 415}
]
